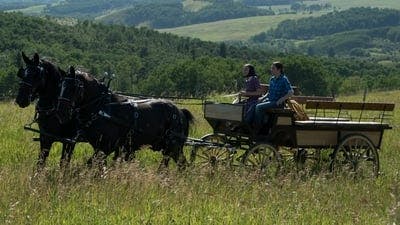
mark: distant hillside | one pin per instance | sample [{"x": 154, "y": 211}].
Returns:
[
  {"x": 149, "y": 62},
  {"x": 234, "y": 29},
  {"x": 173, "y": 14},
  {"x": 378, "y": 43},
  {"x": 369, "y": 33},
  {"x": 91, "y": 8},
  {"x": 132, "y": 54},
  {"x": 335, "y": 22}
]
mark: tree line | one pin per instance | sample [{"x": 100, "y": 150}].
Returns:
[{"x": 331, "y": 23}]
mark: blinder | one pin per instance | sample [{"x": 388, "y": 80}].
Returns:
[
  {"x": 28, "y": 77},
  {"x": 70, "y": 95}
]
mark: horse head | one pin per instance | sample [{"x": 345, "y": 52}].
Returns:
[
  {"x": 71, "y": 93},
  {"x": 32, "y": 77}
]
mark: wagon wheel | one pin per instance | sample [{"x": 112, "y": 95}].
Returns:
[
  {"x": 300, "y": 159},
  {"x": 288, "y": 158},
  {"x": 213, "y": 155},
  {"x": 356, "y": 156},
  {"x": 263, "y": 158}
]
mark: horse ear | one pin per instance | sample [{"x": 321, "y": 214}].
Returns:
[
  {"x": 71, "y": 71},
  {"x": 36, "y": 59},
  {"x": 20, "y": 72},
  {"x": 63, "y": 73},
  {"x": 26, "y": 59}
]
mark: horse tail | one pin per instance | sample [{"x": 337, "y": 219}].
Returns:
[{"x": 189, "y": 119}]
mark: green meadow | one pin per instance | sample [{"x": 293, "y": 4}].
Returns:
[
  {"x": 193, "y": 5},
  {"x": 33, "y": 10},
  {"x": 135, "y": 193},
  {"x": 234, "y": 29}
]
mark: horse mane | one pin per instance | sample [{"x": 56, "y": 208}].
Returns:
[
  {"x": 85, "y": 75},
  {"x": 91, "y": 83},
  {"x": 51, "y": 67}
]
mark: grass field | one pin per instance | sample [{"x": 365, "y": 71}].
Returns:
[
  {"x": 235, "y": 29},
  {"x": 134, "y": 193},
  {"x": 193, "y": 5},
  {"x": 33, "y": 10}
]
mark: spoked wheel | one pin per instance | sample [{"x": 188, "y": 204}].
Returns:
[
  {"x": 304, "y": 162},
  {"x": 264, "y": 159},
  {"x": 212, "y": 153},
  {"x": 356, "y": 156},
  {"x": 309, "y": 160},
  {"x": 288, "y": 158}
]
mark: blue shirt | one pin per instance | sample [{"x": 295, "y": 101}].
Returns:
[{"x": 278, "y": 87}]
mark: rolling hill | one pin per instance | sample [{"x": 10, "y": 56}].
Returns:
[{"x": 242, "y": 29}]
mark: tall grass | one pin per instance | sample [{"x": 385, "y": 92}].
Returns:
[{"x": 134, "y": 193}]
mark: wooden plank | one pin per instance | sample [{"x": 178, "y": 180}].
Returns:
[
  {"x": 328, "y": 118},
  {"x": 343, "y": 124},
  {"x": 302, "y": 99},
  {"x": 233, "y": 112},
  {"x": 350, "y": 105},
  {"x": 279, "y": 111},
  {"x": 316, "y": 138}
]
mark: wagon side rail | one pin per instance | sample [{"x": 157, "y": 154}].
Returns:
[{"x": 364, "y": 111}]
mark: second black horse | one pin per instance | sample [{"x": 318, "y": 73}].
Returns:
[{"x": 110, "y": 121}]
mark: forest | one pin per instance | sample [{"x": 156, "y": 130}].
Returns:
[
  {"x": 348, "y": 33},
  {"x": 335, "y": 22},
  {"x": 145, "y": 61}
]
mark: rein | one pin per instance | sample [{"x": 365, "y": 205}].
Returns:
[
  {"x": 61, "y": 139},
  {"x": 101, "y": 97}
]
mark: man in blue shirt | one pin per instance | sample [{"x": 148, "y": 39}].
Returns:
[{"x": 279, "y": 90}]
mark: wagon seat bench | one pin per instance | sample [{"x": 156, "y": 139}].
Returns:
[{"x": 302, "y": 100}]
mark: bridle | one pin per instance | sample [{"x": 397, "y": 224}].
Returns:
[
  {"x": 29, "y": 85},
  {"x": 72, "y": 94},
  {"x": 76, "y": 95}
]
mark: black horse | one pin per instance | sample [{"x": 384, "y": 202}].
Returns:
[
  {"x": 42, "y": 79},
  {"x": 111, "y": 122}
]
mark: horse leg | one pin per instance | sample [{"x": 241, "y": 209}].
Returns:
[
  {"x": 129, "y": 151},
  {"x": 45, "y": 145},
  {"x": 98, "y": 158},
  {"x": 118, "y": 153},
  {"x": 177, "y": 154},
  {"x": 164, "y": 162},
  {"x": 66, "y": 154}
]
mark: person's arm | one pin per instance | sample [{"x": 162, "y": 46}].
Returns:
[
  {"x": 254, "y": 84},
  {"x": 257, "y": 92},
  {"x": 288, "y": 95}
]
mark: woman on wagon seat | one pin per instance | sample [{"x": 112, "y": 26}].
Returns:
[
  {"x": 279, "y": 90},
  {"x": 252, "y": 91}
]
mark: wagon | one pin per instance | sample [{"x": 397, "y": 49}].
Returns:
[{"x": 350, "y": 133}]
